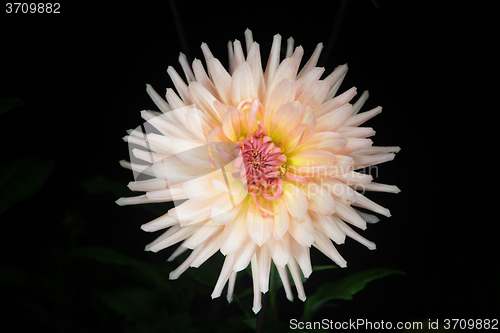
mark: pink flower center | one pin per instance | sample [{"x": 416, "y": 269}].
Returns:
[{"x": 263, "y": 162}]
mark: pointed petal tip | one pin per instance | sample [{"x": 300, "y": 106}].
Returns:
[
  {"x": 303, "y": 298},
  {"x": 256, "y": 310}
]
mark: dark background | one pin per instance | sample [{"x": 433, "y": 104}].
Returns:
[{"x": 72, "y": 260}]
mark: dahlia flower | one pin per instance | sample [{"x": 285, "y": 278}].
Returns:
[{"x": 261, "y": 164}]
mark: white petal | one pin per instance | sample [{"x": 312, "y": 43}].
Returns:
[
  {"x": 295, "y": 201},
  {"x": 286, "y": 283},
  {"x": 257, "y": 305},
  {"x": 327, "y": 226},
  {"x": 294, "y": 271},
  {"x": 224, "y": 275},
  {"x": 244, "y": 255},
  {"x": 281, "y": 220},
  {"x": 354, "y": 235},
  {"x": 259, "y": 228},
  {"x": 324, "y": 244},
  {"x": 201, "y": 235},
  {"x": 279, "y": 250},
  {"x": 302, "y": 256},
  {"x": 303, "y": 233}
]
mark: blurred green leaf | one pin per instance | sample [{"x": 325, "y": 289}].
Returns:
[
  {"x": 343, "y": 289},
  {"x": 8, "y": 103},
  {"x": 135, "y": 304},
  {"x": 105, "y": 255},
  {"x": 20, "y": 179},
  {"x": 156, "y": 276}
]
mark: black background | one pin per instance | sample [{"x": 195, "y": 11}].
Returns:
[{"x": 82, "y": 76}]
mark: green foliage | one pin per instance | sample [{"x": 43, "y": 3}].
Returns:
[
  {"x": 343, "y": 289},
  {"x": 8, "y": 103},
  {"x": 20, "y": 179}
]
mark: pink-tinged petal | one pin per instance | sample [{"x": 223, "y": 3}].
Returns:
[
  {"x": 360, "y": 102},
  {"x": 259, "y": 228},
  {"x": 141, "y": 199},
  {"x": 206, "y": 231},
  {"x": 244, "y": 255},
  {"x": 230, "y": 287},
  {"x": 174, "y": 192},
  {"x": 179, "y": 85},
  {"x": 324, "y": 244},
  {"x": 257, "y": 305},
  {"x": 231, "y": 124},
  {"x": 227, "y": 269},
  {"x": 286, "y": 70},
  {"x": 339, "y": 191},
  {"x": 305, "y": 82},
  {"x": 303, "y": 233},
  {"x": 378, "y": 150},
  {"x": 203, "y": 100},
  {"x": 203, "y": 79},
  {"x": 336, "y": 102},
  {"x": 180, "y": 250},
  {"x": 355, "y": 144},
  {"x": 248, "y": 39},
  {"x": 309, "y": 119},
  {"x": 335, "y": 80},
  {"x": 289, "y": 47},
  {"x": 295, "y": 201},
  {"x": 239, "y": 57},
  {"x": 148, "y": 185},
  {"x": 242, "y": 85},
  {"x": 364, "y": 202},
  {"x": 356, "y": 132},
  {"x": 166, "y": 127},
  {"x": 174, "y": 100},
  {"x": 216, "y": 136},
  {"x": 264, "y": 262},
  {"x": 223, "y": 210},
  {"x": 186, "y": 68},
  {"x": 206, "y": 52},
  {"x": 363, "y": 161},
  {"x": 252, "y": 116},
  {"x": 327, "y": 226},
  {"x": 175, "y": 274},
  {"x": 319, "y": 200},
  {"x": 230, "y": 54},
  {"x": 282, "y": 271},
  {"x": 377, "y": 187},
  {"x": 360, "y": 118},
  {"x": 254, "y": 60},
  {"x": 283, "y": 93},
  {"x": 286, "y": 118},
  {"x": 194, "y": 211},
  {"x": 159, "y": 223},
  {"x": 176, "y": 171},
  {"x": 333, "y": 120},
  {"x": 311, "y": 63},
  {"x": 221, "y": 79},
  {"x": 311, "y": 162},
  {"x": 207, "y": 250},
  {"x": 235, "y": 232},
  {"x": 354, "y": 178},
  {"x": 369, "y": 218},
  {"x": 348, "y": 214},
  {"x": 281, "y": 219},
  {"x": 297, "y": 55},
  {"x": 329, "y": 141},
  {"x": 172, "y": 236},
  {"x": 273, "y": 61},
  {"x": 294, "y": 271},
  {"x": 301, "y": 255},
  {"x": 293, "y": 138},
  {"x": 159, "y": 102},
  {"x": 314, "y": 96},
  {"x": 279, "y": 250},
  {"x": 354, "y": 235}
]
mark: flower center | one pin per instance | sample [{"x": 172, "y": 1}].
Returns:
[{"x": 264, "y": 164}]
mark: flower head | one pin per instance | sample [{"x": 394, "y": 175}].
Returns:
[{"x": 261, "y": 164}]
